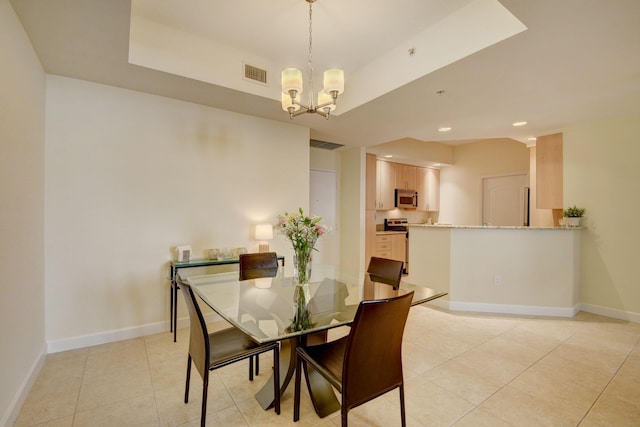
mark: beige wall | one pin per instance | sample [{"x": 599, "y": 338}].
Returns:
[
  {"x": 352, "y": 212},
  {"x": 601, "y": 173},
  {"x": 461, "y": 184},
  {"x": 22, "y": 326},
  {"x": 130, "y": 176}
]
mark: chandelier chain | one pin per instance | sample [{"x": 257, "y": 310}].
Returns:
[{"x": 311, "y": 92}]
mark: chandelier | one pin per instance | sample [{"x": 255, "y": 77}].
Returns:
[{"x": 292, "y": 86}]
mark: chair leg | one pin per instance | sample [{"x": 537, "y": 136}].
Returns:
[
  {"x": 257, "y": 364},
  {"x": 402, "y": 413},
  {"x": 343, "y": 416},
  {"x": 276, "y": 379},
  {"x": 186, "y": 386},
  {"x": 251, "y": 368},
  {"x": 296, "y": 393},
  {"x": 205, "y": 387}
]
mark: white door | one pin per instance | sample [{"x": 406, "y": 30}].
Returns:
[
  {"x": 323, "y": 195},
  {"x": 505, "y": 199}
]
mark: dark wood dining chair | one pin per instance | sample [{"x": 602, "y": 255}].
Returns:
[
  {"x": 364, "y": 364},
  {"x": 257, "y": 266},
  {"x": 383, "y": 270},
  {"x": 210, "y": 351}
]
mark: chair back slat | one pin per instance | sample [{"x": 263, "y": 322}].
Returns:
[
  {"x": 383, "y": 270},
  {"x": 255, "y": 266},
  {"x": 373, "y": 356},
  {"x": 199, "y": 335}
]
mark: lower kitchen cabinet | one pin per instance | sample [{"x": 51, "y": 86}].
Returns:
[{"x": 391, "y": 246}]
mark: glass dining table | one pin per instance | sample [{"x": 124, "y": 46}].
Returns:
[{"x": 263, "y": 309}]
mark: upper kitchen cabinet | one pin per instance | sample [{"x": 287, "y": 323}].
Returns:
[
  {"x": 428, "y": 188},
  {"x": 405, "y": 176},
  {"x": 371, "y": 193},
  {"x": 549, "y": 172},
  {"x": 385, "y": 180}
]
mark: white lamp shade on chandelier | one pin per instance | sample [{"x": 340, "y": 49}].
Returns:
[{"x": 292, "y": 86}]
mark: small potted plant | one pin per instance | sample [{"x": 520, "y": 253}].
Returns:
[{"x": 572, "y": 215}]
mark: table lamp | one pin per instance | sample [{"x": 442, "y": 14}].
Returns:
[{"x": 264, "y": 232}]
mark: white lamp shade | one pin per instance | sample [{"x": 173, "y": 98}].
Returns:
[
  {"x": 286, "y": 102},
  {"x": 334, "y": 80},
  {"x": 291, "y": 80},
  {"x": 264, "y": 232},
  {"x": 323, "y": 98}
]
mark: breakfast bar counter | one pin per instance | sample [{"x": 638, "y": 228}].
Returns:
[{"x": 518, "y": 270}]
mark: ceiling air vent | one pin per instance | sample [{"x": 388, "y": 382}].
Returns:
[
  {"x": 255, "y": 74},
  {"x": 325, "y": 145}
]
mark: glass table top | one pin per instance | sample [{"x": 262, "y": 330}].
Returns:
[{"x": 263, "y": 308}]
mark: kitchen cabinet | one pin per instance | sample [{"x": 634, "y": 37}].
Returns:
[
  {"x": 428, "y": 188},
  {"x": 385, "y": 180},
  {"x": 405, "y": 176},
  {"x": 371, "y": 183},
  {"x": 391, "y": 246},
  {"x": 549, "y": 172}
]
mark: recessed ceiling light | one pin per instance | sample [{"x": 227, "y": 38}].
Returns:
[
  {"x": 444, "y": 129},
  {"x": 531, "y": 138},
  {"x": 520, "y": 123},
  {"x": 388, "y": 156},
  {"x": 437, "y": 164}
]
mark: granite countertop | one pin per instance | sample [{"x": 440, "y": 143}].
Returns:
[
  {"x": 495, "y": 227},
  {"x": 389, "y": 232}
]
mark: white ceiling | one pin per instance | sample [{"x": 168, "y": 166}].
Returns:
[{"x": 553, "y": 63}]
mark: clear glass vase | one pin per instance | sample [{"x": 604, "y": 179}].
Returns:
[{"x": 301, "y": 276}]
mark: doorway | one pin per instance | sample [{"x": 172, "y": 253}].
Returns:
[
  {"x": 322, "y": 202},
  {"x": 505, "y": 200}
]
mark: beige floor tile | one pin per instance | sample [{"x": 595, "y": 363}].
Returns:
[
  {"x": 513, "y": 350},
  {"x": 225, "y": 417},
  {"x": 236, "y": 378},
  {"x": 64, "y": 366},
  {"x": 432, "y": 405},
  {"x": 139, "y": 411},
  {"x": 523, "y": 409},
  {"x": 574, "y": 372},
  {"x": 462, "y": 381},
  {"x": 173, "y": 411},
  {"x": 167, "y": 372},
  {"x": 481, "y": 418},
  {"x": 496, "y": 369},
  {"x": 456, "y": 367},
  {"x": 560, "y": 395},
  {"x": 625, "y": 385},
  {"x": 612, "y": 411},
  {"x": 383, "y": 412},
  {"x": 419, "y": 360},
  {"x": 529, "y": 336},
  {"x": 49, "y": 401},
  {"x": 442, "y": 344},
  {"x": 100, "y": 390}
]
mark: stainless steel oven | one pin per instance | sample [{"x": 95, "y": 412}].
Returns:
[{"x": 400, "y": 224}]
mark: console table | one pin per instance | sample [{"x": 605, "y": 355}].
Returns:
[{"x": 202, "y": 262}]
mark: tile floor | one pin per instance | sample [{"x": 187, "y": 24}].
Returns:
[{"x": 460, "y": 370}]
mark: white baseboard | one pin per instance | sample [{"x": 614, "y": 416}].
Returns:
[
  {"x": 119, "y": 334},
  {"x": 106, "y": 337},
  {"x": 9, "y": 418},
  {"x": 610, "y": 312},
  {"x": 526, "y": 310}
]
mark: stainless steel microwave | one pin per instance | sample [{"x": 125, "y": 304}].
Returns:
[{"x": 407, "y": 199}]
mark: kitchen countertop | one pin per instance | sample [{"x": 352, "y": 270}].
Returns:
[
  {"x": 507, "y": 227},
  {"x": 380, "y": 233}
]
